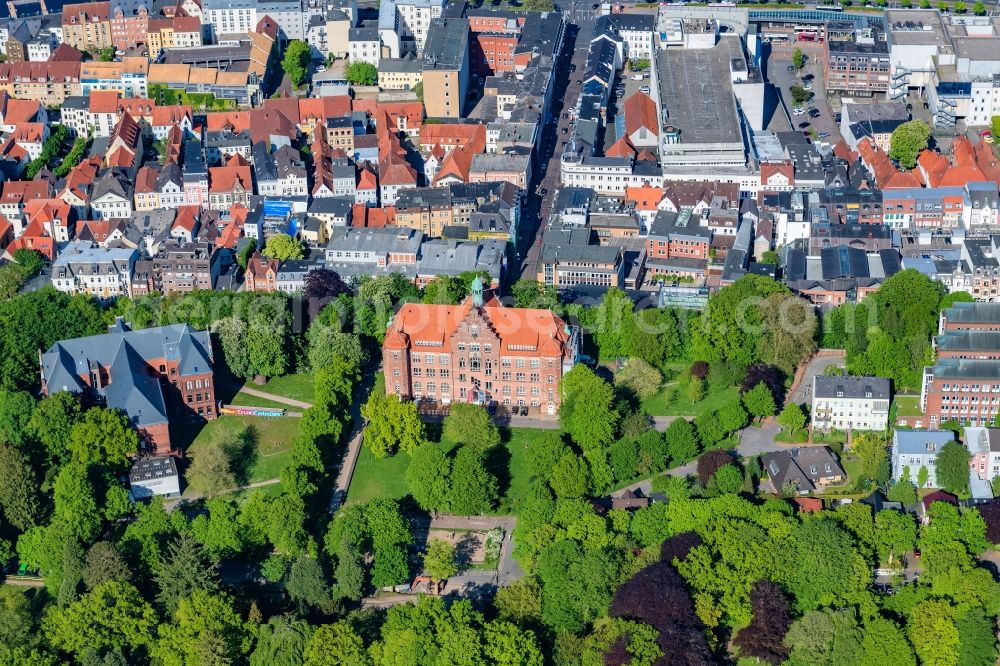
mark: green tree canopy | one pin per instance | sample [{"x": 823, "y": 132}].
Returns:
[
  {"x": 296, "y": 61},
  {"x": 113, "y": 615},
  {"x": 439, "y": 559},
  {"x": 103, "y": 436},
  {"x": 470, "y": 425},
  {"x": 361, "y": 73},
  {"x": 907, "y": 141},
  {"x": 587, "y": 411},
  {"x": 953, "y": 468},
  {"x": 283, "y": 246}
]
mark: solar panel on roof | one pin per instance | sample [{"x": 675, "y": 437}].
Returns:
[
  {"x": 830, "y": 262},
  {"x": 890, "y": 262},
  {"x": 796, "y": 265},
  {"x": 857, "y": 263}
]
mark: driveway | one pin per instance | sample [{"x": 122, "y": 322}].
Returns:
[
  {"x": 802, "y": 391},
  {"x": 753, "y": 442}
]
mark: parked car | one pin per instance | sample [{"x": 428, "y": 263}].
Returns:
[
  {"x": 564, "y": 130},
  {"x": 824, "y": 135},
  {"x": 644, "y": 89},
  {"x": 790, "y": 68},
  {"x": 837, "y": 116},
  {"x": 926, "y": 105},
  {"x": 803, "y": 125},
  {"x": 814, "y": 113},
  {"x": 798, "y": 110},
  {"x": 807, "y": 86}
]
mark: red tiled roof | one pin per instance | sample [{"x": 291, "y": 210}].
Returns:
[
  {"x": 16, "y": 111},
  {"x": 170, "y": 115},
  {"x": 621, "y": 148},
  {"x": 225, "y": 179},
  {"x": 66, "y": 53},
  {"x": 145, "y": 180},
  {"x": 645, "y": 198},
  {"x": 473, "y": 136},
  {"x": 20, "y": 191},
  {"x": 520, "y": 328},
  {"x": 237, "y": 121},
  {"x": 104, "y": 101},
  {"x": 640, "y": 111},
  {"x": 367, "y": 180},
  {"x": 457, "y": 164},
  {"x": 887, "y": 176}
]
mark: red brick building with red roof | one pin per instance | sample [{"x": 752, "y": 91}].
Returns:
[{"x": 478, "y": 351}]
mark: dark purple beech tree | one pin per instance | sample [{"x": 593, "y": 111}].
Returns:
[
  {"x": 764, "y": 637},
  {"x": 658, "y": 597}
]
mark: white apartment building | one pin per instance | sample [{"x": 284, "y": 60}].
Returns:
[
  {"x": 916, "y": 449},
  {"x": 404, "y": 24},
  {"x": 364, "y": 45},
  {"x": 850, "y": 403},
  {"x": 290, "y": 16},
  {"x": 84, "y": 268},
  {"x": 229, "y": 17}
]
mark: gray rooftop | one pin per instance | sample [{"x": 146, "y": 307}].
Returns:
[
  {"x": 973, "y": 313},
  {"x": 124, "y": 354},
  {"x": 911, "y": 442},
  {"x": 696, "y": 92},
  {"x": 871, "y": 388},
  {"x": 447, "y": 44}
]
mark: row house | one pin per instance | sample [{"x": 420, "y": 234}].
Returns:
[
  {"x": 102, "y": 113},
  {"x": 129, "y": 25},
  {"x": 230, "y": 184},
  {"x": 80, "y": 181},
  {"x": 677, "y": 244},
  {"x": 281, "y": 173},
  {"x": 178, "y": 32},
  {"x": 48, "y": 83},
  {"x": 159, "y": 188},
  {"x": 87, "y": 25},
  {"x": 25, "y": 142},
  {"x": 164, "y": 118},
  {"x": 125, "y": 146},
  {"x": 100, "y": 75},
  {"x": 15, "y": 196},
  {"x": 222, "y": 145},
  {"x": 984, "y": 450},
  {"x": 14, "y": 112},
  {"x": 179, "y": 268},
  {"x": 923, "y": 208},
  {"x": 84, "y": 268},
  {"x": 112, "y": 196},
  {"x": 261, "y": 273},
  {"x": 195, "y": 174}
]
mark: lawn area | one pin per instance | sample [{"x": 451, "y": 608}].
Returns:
[
  {"x": 265, "y": 452},
  {"x": 296, "y": 386},
  {"x": 908, "y": 405},
  {"x": 387, "y": 477},
  {"x": 672, "y": 401},
  {"x": 243, "y": 399}
]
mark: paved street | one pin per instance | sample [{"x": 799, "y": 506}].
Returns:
[{"x": 565, "y": 95}]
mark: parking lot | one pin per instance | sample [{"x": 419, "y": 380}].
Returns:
[{"x": 783, "y": 80}]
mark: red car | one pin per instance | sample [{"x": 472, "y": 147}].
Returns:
[{"x": 985, "y": 133}]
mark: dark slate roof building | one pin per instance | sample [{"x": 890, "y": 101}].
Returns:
[{"x": 135, "y": 371}]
